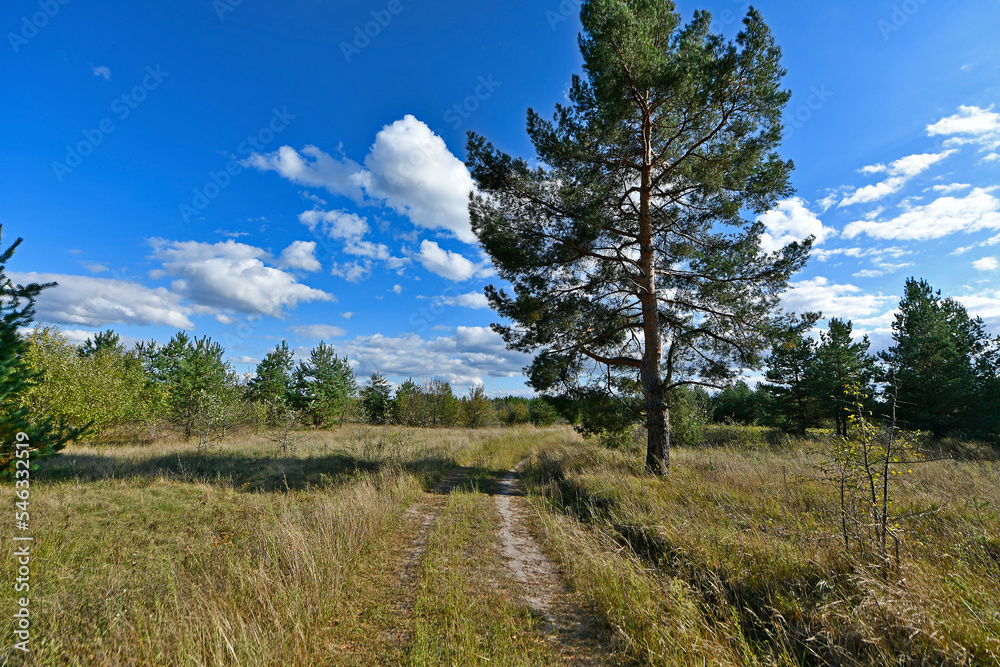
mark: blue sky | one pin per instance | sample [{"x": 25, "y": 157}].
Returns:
[{"x": 254, "y": 171}]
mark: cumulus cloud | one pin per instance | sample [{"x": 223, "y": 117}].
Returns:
[
  {"x": 986, "y": 264},
  {"x": 954, "y": 187},
  {"x": 445, "y": 263},
  {"x": 98, "y": 302},
  {"x": 791, "y": 221},
  {"x": 846, "y": 301},
  {"x": 900, "y": 172},
  {"x": 408, "y": 168},
  {"x": 465, "y": 358},
  {"x": 985, "y": 305},
  {"x": 318, "y": 331},
  {"x": 976, "y": 211},
  {"x": 473, "y": 300},
  {"x": 231, "y": 275},
  {"x": 102, "y": 72},
  {"x": 341, "y": 176},
  {"x": 352, "y": 272},
  {"x": 300, "y": 255},
  {"x": 970, "y": 125},
  {"x": 412, "y": 169},
  {"x": 335, "y": 224}
]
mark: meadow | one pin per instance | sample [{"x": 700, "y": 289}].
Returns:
[{"x": 380, "y": 545}]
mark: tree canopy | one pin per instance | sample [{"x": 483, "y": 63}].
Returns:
[{"x": 634, "y": 270}]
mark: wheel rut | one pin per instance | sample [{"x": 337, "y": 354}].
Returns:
[
  {"x": 570, "y": 629},
  {"x": 572, "y": 633}
]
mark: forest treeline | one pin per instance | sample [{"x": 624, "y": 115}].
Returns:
[
  {"x": 187, "y": 386},
  {"x": 940, "y": 375}
]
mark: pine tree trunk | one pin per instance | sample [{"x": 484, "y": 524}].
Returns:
[{"x": 657, "y": 431}]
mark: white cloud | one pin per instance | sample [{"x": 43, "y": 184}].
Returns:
[
  {"x": 95, "y": 267},
  {"x": 300, "y": 255},
  {"x": 97, "y": 302},
  {"x": 976, "y": 211},
  {"x": 376, "y": 251},
  {"x": 412, "y": 169},
  {"x": 245, "y": 359},
  {"x": 954, "y": 187},
  {"x": 464, "y": 359},
  {"x": 869, "y": 273},
  {"x": 318, "y": 331},
  {"x": 970, "y": 124},
  {"x": 985, "y": 305},
  {"x": 352, "y": 272},
  {"x": 791, "y": 221},
  {"x": 833, "y": 300},
  {"x": 986, "y": 264},
  {"x": 232, "y": 276},
  {"x": 397, "y": 289},
  {"x": 102, "y": 71},
  {"x": 338, "y": 175},
  {"x": 335, "y": 224},
  {"x": 348, "y": 315},
  {"x": 409, "y": 169},
  {"x": 473, "y": 300},
  {"x": 900, "y": 172},
  {"x": 445, "y": 263}
]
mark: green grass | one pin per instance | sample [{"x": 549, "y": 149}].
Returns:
[{"x": 249, "y": 555}]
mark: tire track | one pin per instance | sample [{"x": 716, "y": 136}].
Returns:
[{"x": 568, "y": 626}]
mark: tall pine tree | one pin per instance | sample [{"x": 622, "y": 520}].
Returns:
[{"x": 633, "y": 270}]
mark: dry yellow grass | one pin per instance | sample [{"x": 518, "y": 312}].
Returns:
[
  {"x": 250, "y": 555},
  {"x": 737, "y": 558},
  {"x": 244, "y": 555}
]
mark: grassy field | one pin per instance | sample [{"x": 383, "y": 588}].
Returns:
[{"x": 249, "y": 555}]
